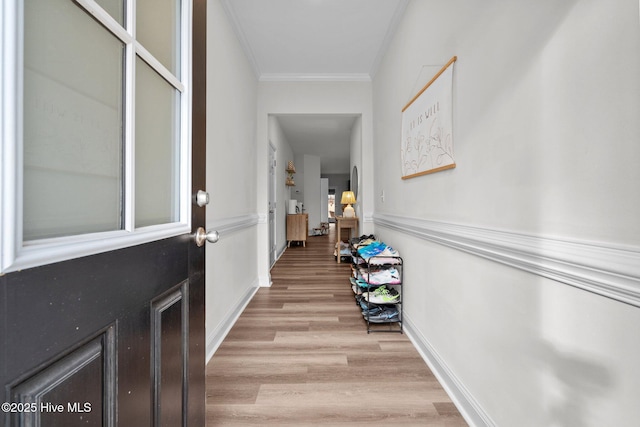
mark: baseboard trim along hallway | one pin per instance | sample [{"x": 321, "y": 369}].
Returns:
[
  {"x": 216, "y": 337},
  {"x": 470, "y": 409}
]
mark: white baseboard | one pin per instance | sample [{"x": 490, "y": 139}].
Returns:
[
  {"x": 280, "y": 253},
  {"x": 468, "y": 407},
  {"x": 215, "y": 337}
]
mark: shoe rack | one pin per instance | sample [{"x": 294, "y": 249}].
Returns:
[{"x": 376, "y": 282}]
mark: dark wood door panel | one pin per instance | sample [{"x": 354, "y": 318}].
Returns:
[
  {"x": 48, "y": 312},
  {"x": 170, "y": 333},
  {"x": 49, "y": 397}
]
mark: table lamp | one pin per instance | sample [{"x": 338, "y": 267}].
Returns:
[{"x": 347, "y": 199}]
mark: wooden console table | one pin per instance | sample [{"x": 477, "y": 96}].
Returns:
[{"x": 351, "y": 224}]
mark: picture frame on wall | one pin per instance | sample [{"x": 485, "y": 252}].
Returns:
[{"x": 427, "y": 127}]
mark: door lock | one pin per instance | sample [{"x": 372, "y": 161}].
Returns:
[{"x": 202, "y": 198}]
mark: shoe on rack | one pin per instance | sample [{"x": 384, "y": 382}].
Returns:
[
  {"x": 382, "y": 295},
  {"x": 358, "y": 282},
  {"x": 374, "y": 310},
  {"x": 386, "y": 315},
  {"x": 365, "y": 306}
]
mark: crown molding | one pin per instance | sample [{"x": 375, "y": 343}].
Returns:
[
  {"x": 391, "y": 31},
  {"x": 227, "y": 5}
]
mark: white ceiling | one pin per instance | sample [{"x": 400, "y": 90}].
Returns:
[
  {"x": 316, "y": 40},
  {"x": 326, "y": 136}
]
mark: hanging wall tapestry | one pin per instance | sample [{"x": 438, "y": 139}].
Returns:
[{"x": 427, "y": 127}]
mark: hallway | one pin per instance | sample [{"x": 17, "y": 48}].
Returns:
[{"x": 299, "y": 355}]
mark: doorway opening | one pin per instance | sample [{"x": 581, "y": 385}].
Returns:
[{"x": 332, "y": 205}]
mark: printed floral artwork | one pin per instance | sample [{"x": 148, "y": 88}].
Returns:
[{"x": 427, "y": 127}]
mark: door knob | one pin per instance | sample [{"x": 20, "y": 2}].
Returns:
[{"x": 203, "y": 236}]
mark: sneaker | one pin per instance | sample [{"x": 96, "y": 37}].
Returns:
[
  {"x": 386, "y": 315},
  {"x": 358, "y": 282},
  {"x": 382, "y": 295},
  {"x": 388, "y": 276},
  {"x": 363, "y": 304},
  {"x": 374, "y": 310}
]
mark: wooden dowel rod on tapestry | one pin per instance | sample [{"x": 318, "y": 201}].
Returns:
[{"x": 451, "y": 61}]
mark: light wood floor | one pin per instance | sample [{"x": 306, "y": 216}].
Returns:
[{"x": 299, "y": 355}]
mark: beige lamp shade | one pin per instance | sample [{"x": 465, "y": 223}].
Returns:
[{"x": 347, "y": 199}]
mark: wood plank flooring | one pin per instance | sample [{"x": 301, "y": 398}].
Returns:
[{"x": 299, "y": 355}]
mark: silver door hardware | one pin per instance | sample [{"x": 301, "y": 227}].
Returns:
[
  {"x": 203, "y": 236},
  {"x": 202, "y": 198}
]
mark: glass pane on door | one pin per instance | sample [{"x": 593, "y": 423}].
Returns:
[
  {"x": 158, "y": 30},
  {"x": 73, "y": 123},
  {"x": 115, "y": 8},
  {"x": 157, "y": 169}
]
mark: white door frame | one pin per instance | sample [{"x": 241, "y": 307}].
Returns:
[{"x": 272, "y": 204}]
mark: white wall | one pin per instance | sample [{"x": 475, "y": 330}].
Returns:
[
  {"x": 362, "y": 159},
  {"x": 312, "y": 189},
  {"x": 231, "y": 177},
  {"x": 284, "y": 154},
  {"x": 546, "y": 138}
]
